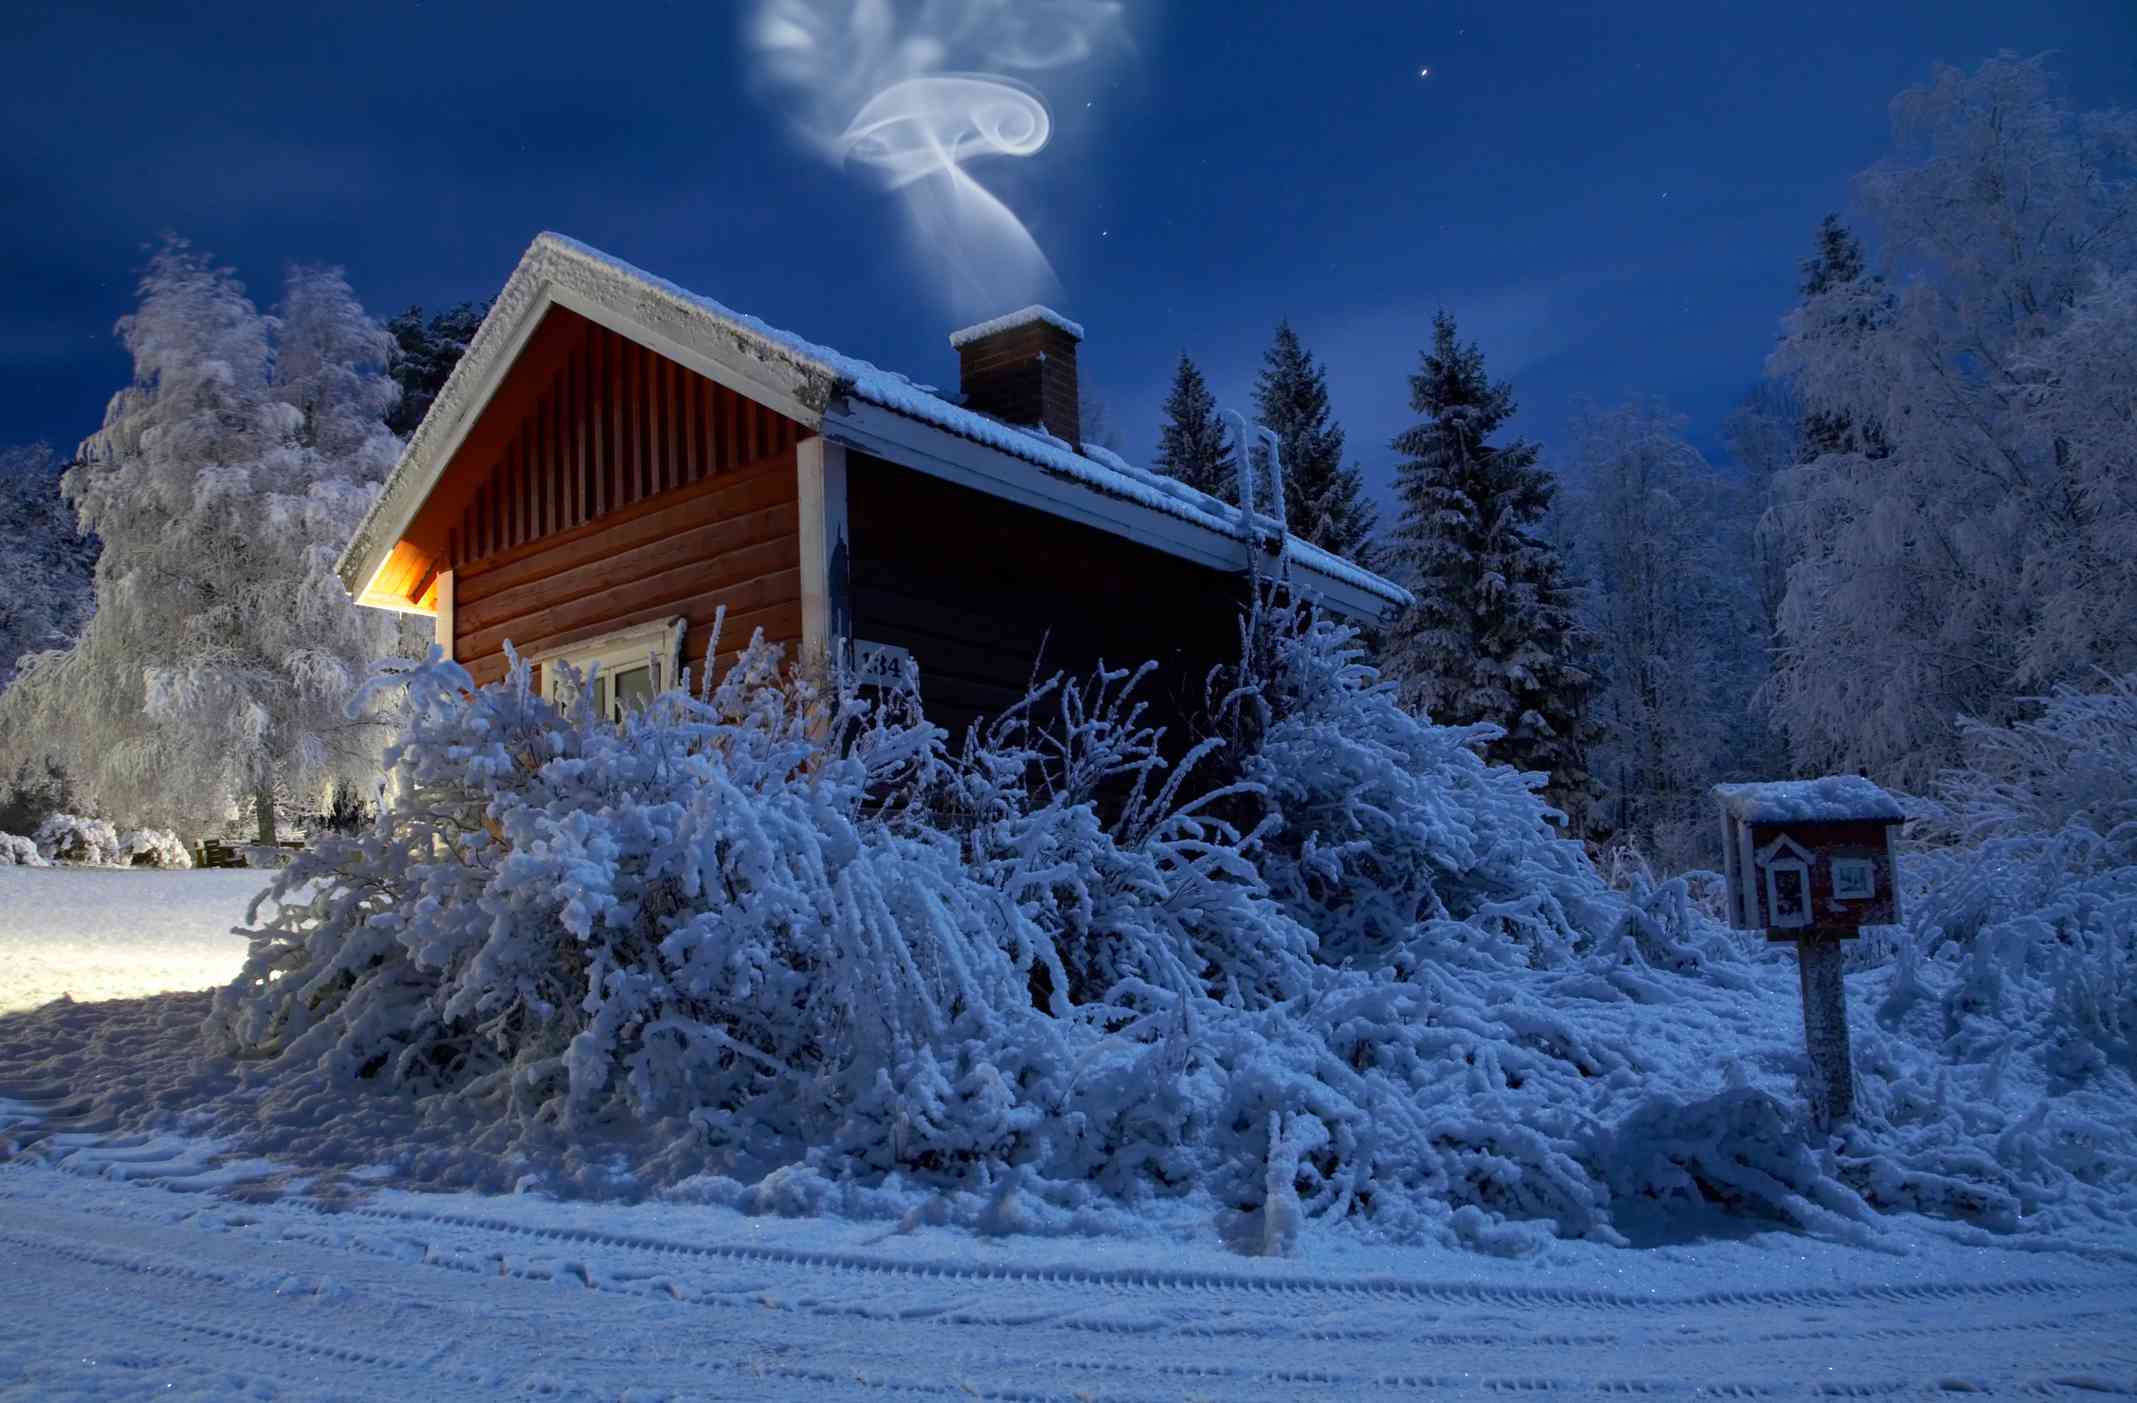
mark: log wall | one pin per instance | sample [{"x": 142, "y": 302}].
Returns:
[
  {"x": 631, "y": 489},
  {"x": 972, "y": 584}
]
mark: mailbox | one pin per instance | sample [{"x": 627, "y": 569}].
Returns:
[{"x": 1811, "y": 854}]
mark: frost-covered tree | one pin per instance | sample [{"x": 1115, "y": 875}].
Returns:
[
  {"x": 1324, "y": 501},
  {"x": 424, "y": 354},
  {"x": 1494, "y": 635},
  {"x": 1672, "y": 610},
  {"x": 1765, "y": 435},
  {"x": 1193, "y": 445},
  {"x": 1839, "y": 264},
  {"x": 45, "y": 560},
  {"x": 1975, "y": 550},
  {"x": 225, "y": 480}
]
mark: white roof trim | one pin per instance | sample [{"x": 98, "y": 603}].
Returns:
[
  {"x": 1784, "y": 849},
  {"x": 823, "y": 391}
]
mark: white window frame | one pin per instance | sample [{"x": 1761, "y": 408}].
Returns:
[
  {"x": 1854, "y": 879},
  {"x": 660, "y": 642},
  {"x": 1774, "y": 915},
  {"x": 1785, "y": 854}
]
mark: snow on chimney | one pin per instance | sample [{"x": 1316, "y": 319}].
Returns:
[{"x": 1022, "y": 370}]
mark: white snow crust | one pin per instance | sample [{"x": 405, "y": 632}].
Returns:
[
  {"x": 1010, "y": 321},
  {"x": 1833, "y": 799}
]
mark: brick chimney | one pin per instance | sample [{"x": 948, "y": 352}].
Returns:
[{"x": 1022, "y": 370}]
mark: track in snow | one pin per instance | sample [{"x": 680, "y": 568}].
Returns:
[{"x": 116, "y": 1289}]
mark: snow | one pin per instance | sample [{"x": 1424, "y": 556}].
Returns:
[
  {"x": 180, "y": 1224},
  {"x": 161, "y": 1268},
  {"x": 114, "y": 933},
  {"x": 1028, "y": 316},
  {"x": 1833, "y": 799}
]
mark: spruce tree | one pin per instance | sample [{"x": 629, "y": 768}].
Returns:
[
  {"x": 1837, "y": 264},
  {"x": 1193, "y": 446},
  {"x": 1324, "y": 502},
  {"x": 424, "y": 354},
  {"x": 1494, "y": 636}
]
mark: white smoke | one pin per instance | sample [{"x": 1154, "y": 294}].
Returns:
[{"x": 905, "y": 93}]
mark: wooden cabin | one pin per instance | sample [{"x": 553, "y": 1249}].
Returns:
[{"x": 615, "y": 459}]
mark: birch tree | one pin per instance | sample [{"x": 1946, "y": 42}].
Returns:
[
  {"x": 1671, "y": 607},
  {"x": 224, "y": 482},
  {"x": 1968, "y": 546}
]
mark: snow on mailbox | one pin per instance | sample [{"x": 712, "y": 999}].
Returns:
[{"x": 1810, "y": 854}]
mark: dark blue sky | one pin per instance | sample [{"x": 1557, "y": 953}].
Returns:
[{"x": 1611, "y": 197}]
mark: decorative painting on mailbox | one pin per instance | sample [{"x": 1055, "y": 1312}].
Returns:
[{"x": 1809, "y": 854}]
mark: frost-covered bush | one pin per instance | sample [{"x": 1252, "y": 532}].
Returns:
[
  {"x": 18, "y": 851},
  {"x": 153, "y": 847},
  {"x": 1394, "y": 841},
  {"x": 2018, "y": 968},
  {"x": 688, "y": 915},
  {"x": 2031, "y": 873},
  {"x": 788, "y": 947},
  {"x": 73, "y": 838},
  {"x": 1069, "y": 807}
]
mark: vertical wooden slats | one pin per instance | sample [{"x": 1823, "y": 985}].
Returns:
[
  {"x": 581, "y": 381},
  {"x": 609, "y": 472},
  {"x": 730, "y": 422},
  {"x": 553, "y": 460},
  {"x": 678, "y": 419},
  {"x": 663, "y": 406},
  {"x": 616, "y": 425},
  {"x": 642, "y": 406},
  {"x": 516, "y": 494}
]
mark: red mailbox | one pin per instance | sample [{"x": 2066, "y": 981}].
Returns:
[{"x": 1811, "y": 854}]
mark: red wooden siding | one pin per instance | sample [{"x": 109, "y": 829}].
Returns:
[
  {"x": 630, "y": 489},
  {"x": 614, "y": 425}
]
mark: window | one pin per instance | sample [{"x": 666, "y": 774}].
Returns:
[
  {"x": 636, "y": 665},
  {"x": 1854, "y": 879},
  {"x": 1788, "y": 894}
]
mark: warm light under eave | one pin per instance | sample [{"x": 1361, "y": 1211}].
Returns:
[{"x": 372, "y": 596}]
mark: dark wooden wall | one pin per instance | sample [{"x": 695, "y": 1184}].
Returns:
[
  {"x": 971, "y": 583},
  {"x": 632, "y": 489}
]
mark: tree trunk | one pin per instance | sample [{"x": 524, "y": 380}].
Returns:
[{"x": 263, "y": 809}]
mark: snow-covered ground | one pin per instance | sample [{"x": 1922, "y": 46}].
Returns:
[
  {"x": 140, "y": 1270},
  {"x": 158, "y": 1265},
  {"x": 111, "y": 933}
]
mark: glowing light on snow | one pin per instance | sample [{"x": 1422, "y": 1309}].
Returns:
[
  {"x": 884, "y": 88},
  {"x": 95, "y": 933}
]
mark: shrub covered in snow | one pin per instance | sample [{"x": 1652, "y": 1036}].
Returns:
[
  {"x": 73, "y": 838},
  {"x": 1329, "y": 965},
  {"x": 95, "y": 842},
  {"x": 18, "y": 851},
  {"x": 153, "y": 847},
  {"x": 2018, "y": 968}
]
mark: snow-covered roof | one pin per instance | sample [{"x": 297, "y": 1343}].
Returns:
[
  {"x": 1833, "y": 799},
  {"x": 808, "y": 382},
  {"x": 960, "y": 339}
]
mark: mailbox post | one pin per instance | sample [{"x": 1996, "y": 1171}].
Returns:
[{"x": 1811, "y": 862}]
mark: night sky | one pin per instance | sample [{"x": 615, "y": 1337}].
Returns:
[{"x": 1611, "y": 197}]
